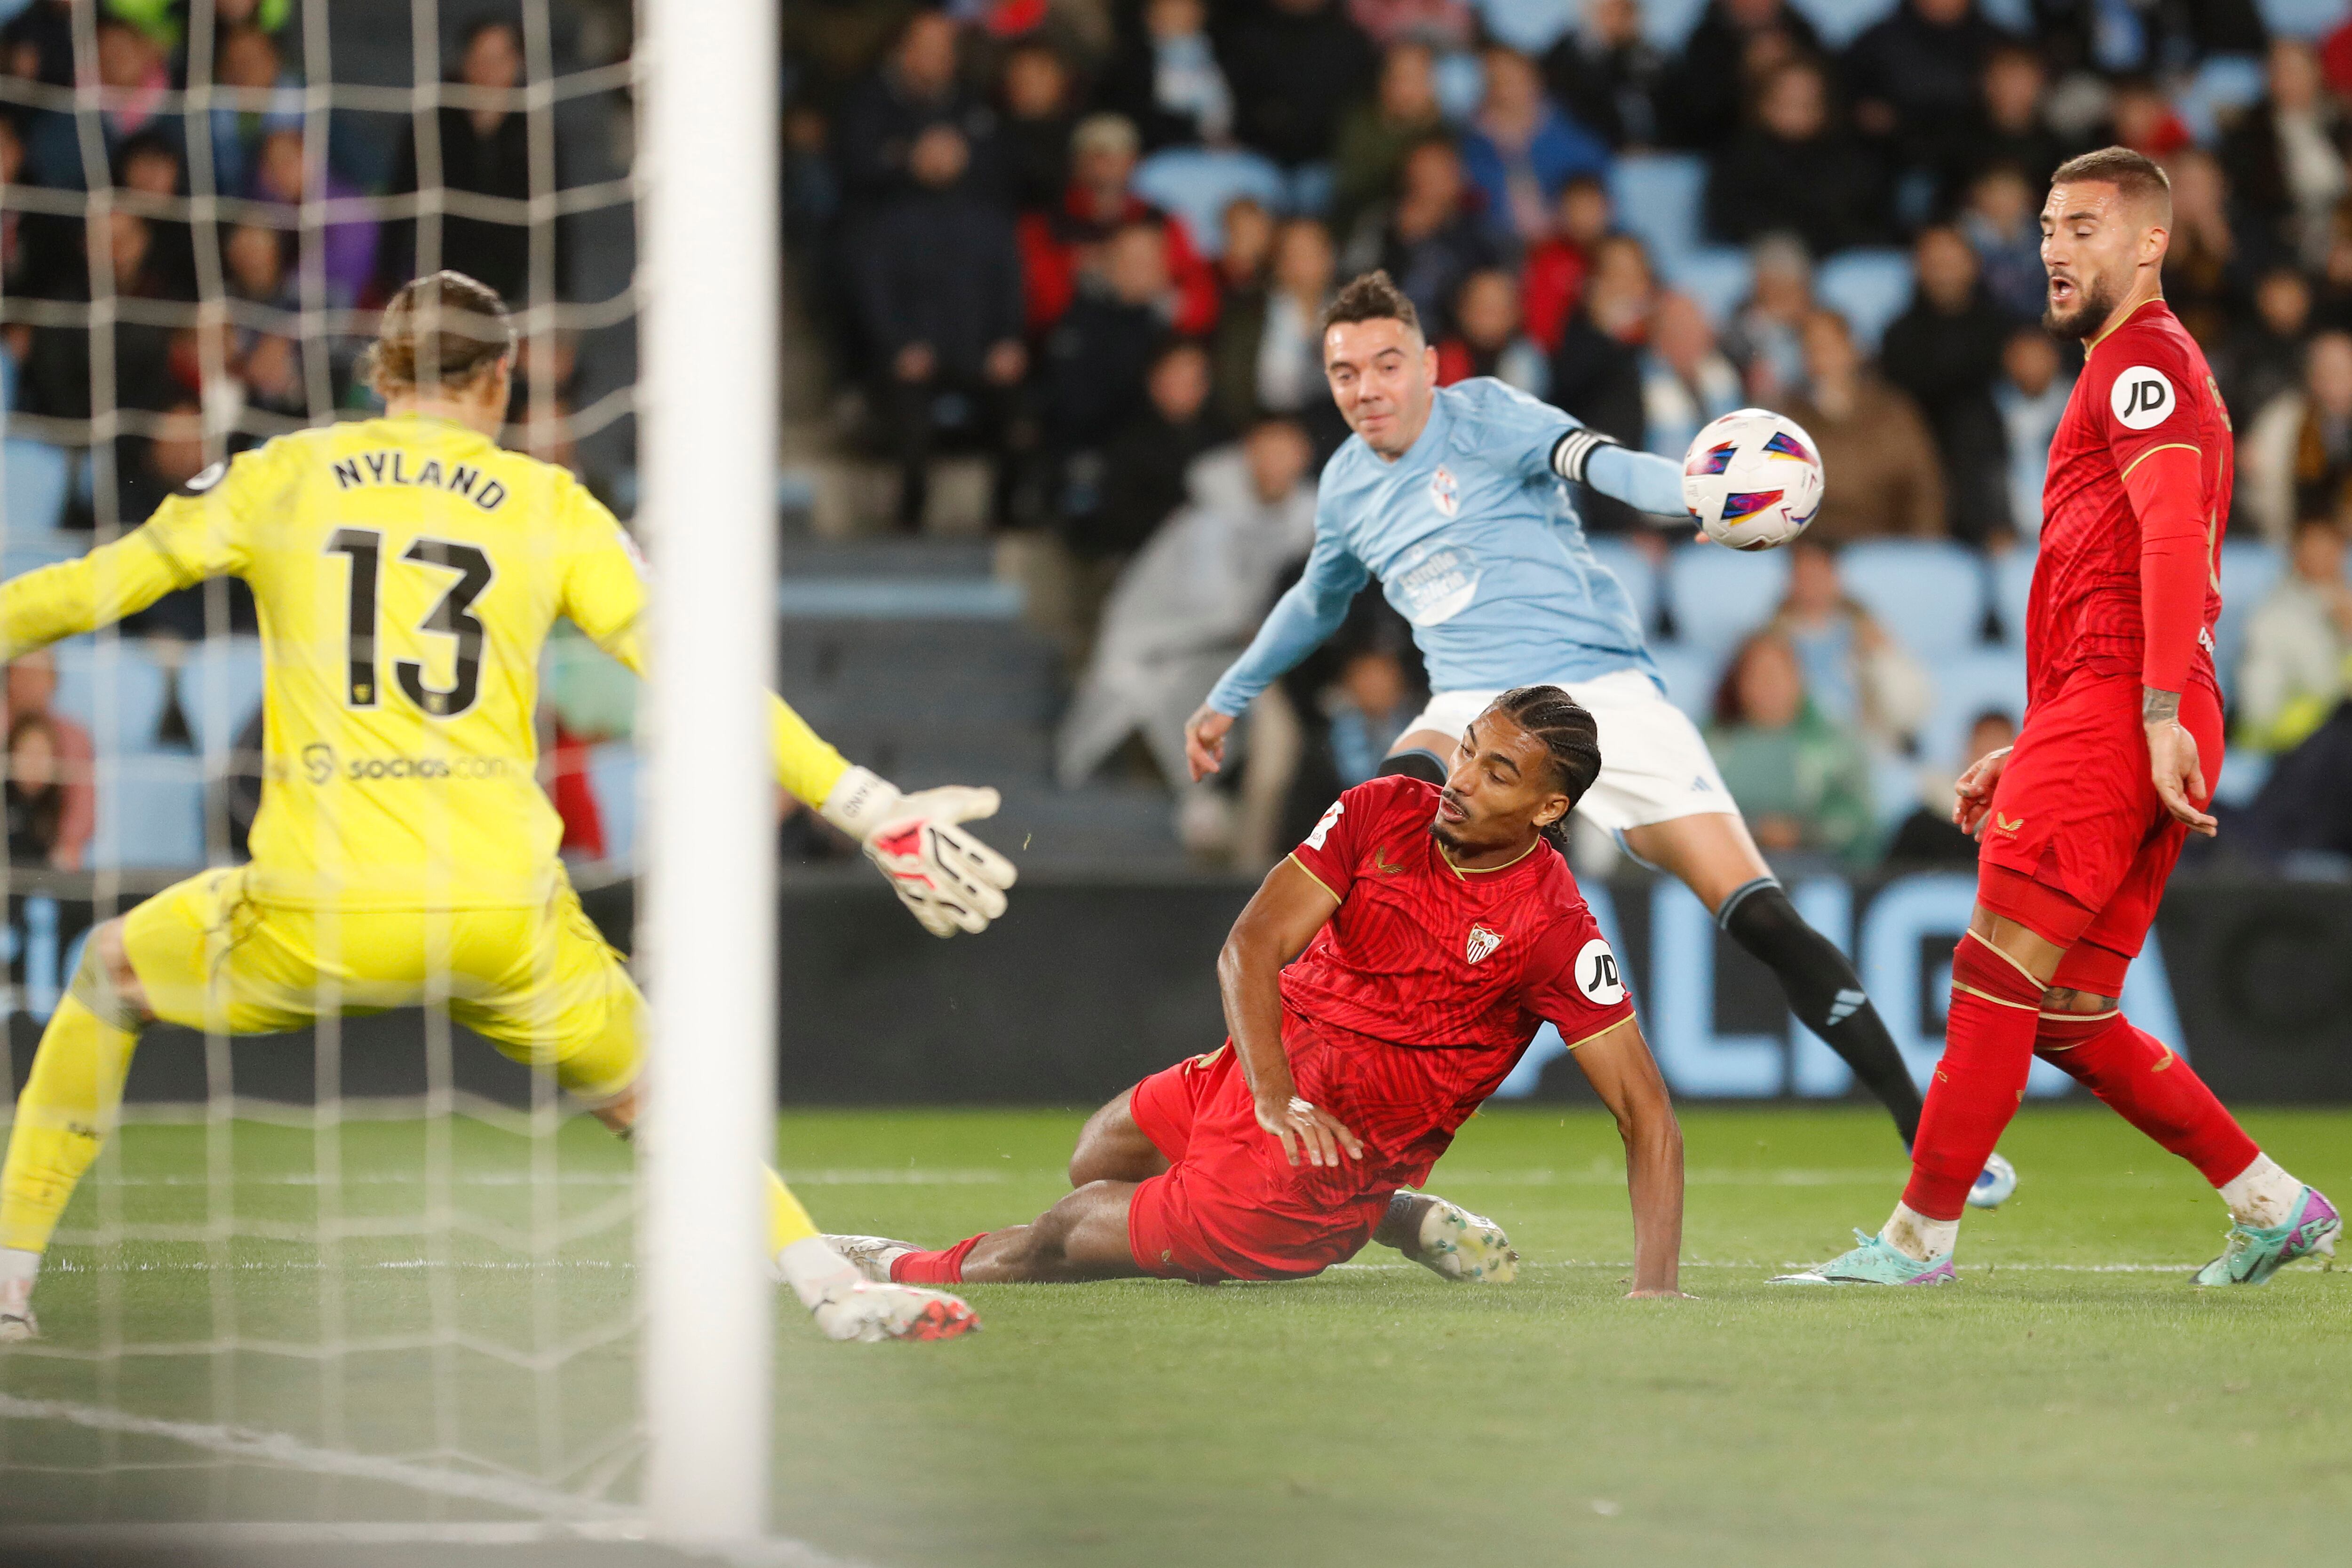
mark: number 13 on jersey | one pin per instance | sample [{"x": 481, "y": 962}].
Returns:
[{"x": 451, "y": 617}]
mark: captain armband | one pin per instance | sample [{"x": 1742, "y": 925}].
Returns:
[{"x": 1572, "y": 452}]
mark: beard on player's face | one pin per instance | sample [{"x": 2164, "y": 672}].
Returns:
[{"x": 2093, "y": 300}]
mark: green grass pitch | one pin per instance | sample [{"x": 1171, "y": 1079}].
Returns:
[{"x": 2072, "y": 1401}]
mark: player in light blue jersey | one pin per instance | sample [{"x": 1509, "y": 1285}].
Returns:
[{"x": 1457, "y": 499}]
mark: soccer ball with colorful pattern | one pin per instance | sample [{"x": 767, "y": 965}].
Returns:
[{"x": 1753, "y": 479}]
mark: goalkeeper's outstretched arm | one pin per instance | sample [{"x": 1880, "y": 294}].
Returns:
[{"x": 945, "y": 877}]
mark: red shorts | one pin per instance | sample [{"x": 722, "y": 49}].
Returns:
[
  {"x": 1231, "y": 1206},
  {"x": 2078, "y": 844}
]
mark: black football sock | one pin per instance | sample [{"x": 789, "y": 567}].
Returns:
[
  {"x": 1823, "y": 992},
  {"x": 1400, "y": 1227}
]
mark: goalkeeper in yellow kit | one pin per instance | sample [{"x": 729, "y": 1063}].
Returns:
[{"x": 407, "y": 571}]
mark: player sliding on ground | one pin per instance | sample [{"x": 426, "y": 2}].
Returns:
[
  {"x": 407, "y": 573},
  {"x": 1457, "y": 498},
  {"x": 2082, "y": 818},
  {"x": 1439, "y": 929}
]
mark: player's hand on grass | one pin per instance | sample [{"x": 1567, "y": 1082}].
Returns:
[
  {"x": 1974, "y": 792},
  {"x": 945, "y": 876},
  {"x": 1300, "y": 1126},
  {"x": 1204, "y": 741},
  {"x": 2179, "y": 774}
]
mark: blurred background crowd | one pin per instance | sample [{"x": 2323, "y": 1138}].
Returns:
[{"x": 1055, "y": 400}]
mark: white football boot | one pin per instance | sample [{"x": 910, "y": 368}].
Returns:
[
  {"x": 17, "y": 1270},
  {"x": 848, "y": 1304},
  {"x": 871, "y": 1256},
  {"x": 1449, "y": 1240},
  {"x": 872, "y": 1312}
]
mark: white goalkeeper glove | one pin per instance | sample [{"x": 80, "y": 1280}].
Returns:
[{"x": 948, "y": 879}]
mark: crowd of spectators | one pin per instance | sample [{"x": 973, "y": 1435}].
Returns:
[
  {"x": 258, "y": 366},
  {"x": 974, "y": 187}
]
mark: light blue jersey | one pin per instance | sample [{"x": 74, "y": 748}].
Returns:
[{"x": 1476, "y": 541}]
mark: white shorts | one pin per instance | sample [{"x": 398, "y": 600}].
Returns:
[{"x": 1654, "y": 767}]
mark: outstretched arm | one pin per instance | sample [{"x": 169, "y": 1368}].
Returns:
[
  {"x": 1642, "y": 481},
  {"x": 189, "y": 539},
  {"x": 1301, "y": 619},
  {"x": 1289, "y": 907},
  {"x": 945, "y": 876},
  {"x": 1625, "y": 1076}
]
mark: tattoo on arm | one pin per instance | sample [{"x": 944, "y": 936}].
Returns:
[{"x": 2159, "y": 707}]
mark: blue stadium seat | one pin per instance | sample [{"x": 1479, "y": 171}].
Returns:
[
  {"x": 1657, "y": 197},
  {"x": 1460, "y": 81},
  {"x": 219, "y": 691},
  {"x": 133, "y": 687},
  {"x": 2012, "y": 586},
  {"x": 1719, "y": 276},
  {"x": 1929, "y": 594},
  {"x": 1197, "y": 183},
  {"x": 36, "y": 475},
  {"x": 1632, "y": 568},
  {"x": 1869, "y": 288},
  {"x": 1691, "y": 675},
  {"x": 1667, "y": 23},
  {"x": 613, "y": 778},
  {"x": 31, "y": 551},
  {"x": 1966, "y": 685},
  {"x": 2248, "y": 571},
  {"x": 2302, "y": 18},
  {"x": 1719, "y": 595},
  {"x": 1307, "y": 191},
  {"x": 1530, "y": 26},
  {"x": 2223, "y": 83},
  {"x": 151, "y": 813},
  {"x": 1893, "y": 791},
  {"x": 2244, "y": 774},
  {"x": 1839, "y": 22}
]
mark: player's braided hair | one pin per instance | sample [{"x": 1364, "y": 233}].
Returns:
[
  {"x": 1567, "y": 728},
  {"x": 443, "y": 330}
]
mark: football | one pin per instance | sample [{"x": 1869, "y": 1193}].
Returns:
[{"x": 1753, "y": 479}]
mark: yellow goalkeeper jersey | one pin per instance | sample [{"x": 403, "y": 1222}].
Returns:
[{"x": 406, "y": 572}]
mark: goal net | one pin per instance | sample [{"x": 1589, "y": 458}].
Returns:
[{"x": 375, "y": 1270}]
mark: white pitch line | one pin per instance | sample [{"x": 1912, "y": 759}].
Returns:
[
  {"x": 550, "y": 1507},
  {"x": 1994, "y": 1268}
]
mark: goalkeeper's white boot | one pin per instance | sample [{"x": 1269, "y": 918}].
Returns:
[
  {"x": 17, "y": 1270},
  {"x": 871, "y": 1256},
  {"x": 1448, "y": 1240},
  {"x": 847, "y": 1306},
  {"x": 871, "y": 1313}
]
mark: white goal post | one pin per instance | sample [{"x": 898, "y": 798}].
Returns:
[{"x": 710, "y": 240}]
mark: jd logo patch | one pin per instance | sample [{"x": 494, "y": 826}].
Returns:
[
  {"x": 1597, "y": 976},
  {"x": 1482, "y": 943},
  {"x": 2142, "y": 397}
]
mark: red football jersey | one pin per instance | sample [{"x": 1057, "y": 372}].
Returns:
[
  {"x": 2143, "y": 386},
  {"x": 1428, "y": 981}
]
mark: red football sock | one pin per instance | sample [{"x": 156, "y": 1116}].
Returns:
[
  {"x": 944, "y": 1268},
  {"x": 2153, "y": 1088},
  {"x": 1988, "y": 1051}
]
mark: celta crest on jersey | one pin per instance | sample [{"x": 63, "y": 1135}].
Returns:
[
  {"x": 391, "y": 467},
  {"x": 1482, "y": 944},
  {"x": 1443, "y": 492}
]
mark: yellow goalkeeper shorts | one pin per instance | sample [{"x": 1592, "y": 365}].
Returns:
[{"x": 539, "y": 983}]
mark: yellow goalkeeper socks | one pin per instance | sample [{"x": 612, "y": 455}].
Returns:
[
  {"x": 787, "y": 1221},
  {"x": 63, "y": 1117}
]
